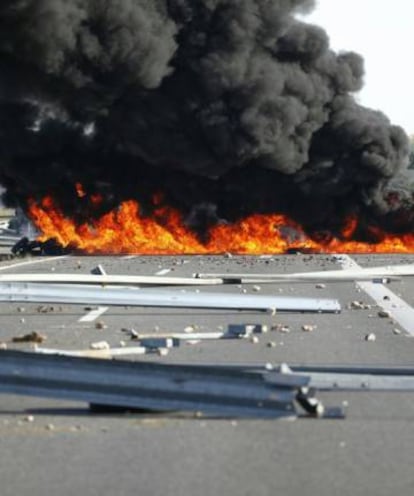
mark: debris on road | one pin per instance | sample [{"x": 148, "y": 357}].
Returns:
[
  {"x": 284, "y": 329},
  {"x": 209, "y": 390},
  {"x": 33, "y": 337},
  {"x": 100, "y": 345},
  {"x": 308, "y": 328},
  {"x": 384, "y": 314},
  {"x": 371, "y": 337},
  {"x": 150, "y": 297}
]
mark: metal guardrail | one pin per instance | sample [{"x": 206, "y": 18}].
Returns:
[
  {"x": 160, "y": 387},
  {"x": 130, "y": 296}
]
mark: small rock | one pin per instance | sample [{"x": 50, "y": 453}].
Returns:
[
  {"x": 21, "y": 309},
  {"x": 3, "y": 346},
  {"x": 320, "y": 286},
  {"x": 371, "y": 337},
  {"x": 356, "y": 305},
  {"x": 50, "y": 427},
  {"x": 271, "y": 344},
  {"x": 189, "y": 329},
  {"x": 100, "y": 345},
  {"x": 285, "y": 329},
  {"x": 29, "y": 418},
  {"x": 308, "y": 328},
  {"x": 254, "y": 339},
  {"x": 100, "y": 324},
  {"x": 122, "y": 344},
  {"x": 396, "y": 331},
  {"x": 256, "y": 288},
  {"x": 384, "y": 314}
]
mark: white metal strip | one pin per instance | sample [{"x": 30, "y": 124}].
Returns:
[
  {"x": 399, "y": 309},
  {"x": 110, "y": 295},
  {"x": 105, "y": 279},
  {"x": 93, "y": 314}
]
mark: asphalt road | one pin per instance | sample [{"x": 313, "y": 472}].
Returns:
[{"x": 53, "y": 447}]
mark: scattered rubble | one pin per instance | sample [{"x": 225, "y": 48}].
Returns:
[
  {"x": 309, "y": 327},
  {"x": 285, "y": 329},
  {"x": 100, "y": 345},
  {"x": 359, "y": 305}
]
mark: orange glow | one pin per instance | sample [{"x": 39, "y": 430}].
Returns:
[
  {"x": 79, "y": 190},
  {"x": 124, "y": 230}
]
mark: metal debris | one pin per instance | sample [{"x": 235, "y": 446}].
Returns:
[
  {"x": 382, "y": 274},
  {"x": 100, "y": 279},
  {"x": 98, "y": 271},
  {"x": 99, "y": 353},
  {"x": 209, "y": 390},
  {"x": 132, "y": 296}
]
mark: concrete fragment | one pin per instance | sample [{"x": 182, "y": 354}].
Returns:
[
  {"x": 100, "y": 345},
  {"x": 285, "y": 329},
  {"x": 308, "y": 328},
  {"x": 371, "y": 337}
]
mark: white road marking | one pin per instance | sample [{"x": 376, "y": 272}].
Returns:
[
  {"x": 93, "y": 314},
  {"x": 162, "y": 272},
  {"x": 31, "y": 262},
  {"x": 399, "y": 309}
]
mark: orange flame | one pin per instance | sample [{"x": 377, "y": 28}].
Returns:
[{"x": 125, "y": 231}]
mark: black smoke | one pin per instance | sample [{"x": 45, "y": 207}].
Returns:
[{"x": 227, "y": 107}]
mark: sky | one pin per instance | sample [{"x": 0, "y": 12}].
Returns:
[{"x": 383, "y": 32}]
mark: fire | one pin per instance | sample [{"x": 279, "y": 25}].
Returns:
[{"x": 125, "y": 230}]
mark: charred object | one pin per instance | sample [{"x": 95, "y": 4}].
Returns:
[{"x": 25, "y": 246}]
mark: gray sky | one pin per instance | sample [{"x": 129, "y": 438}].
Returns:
[{"x": 383, "y": 32}]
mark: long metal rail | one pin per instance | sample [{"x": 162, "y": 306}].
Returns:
[
  {"x": 105, "y": 279},
  {"x": 355, "y": 273},
  {"x": 131, "y": 296},
  {"x": 159, "y": 387}
]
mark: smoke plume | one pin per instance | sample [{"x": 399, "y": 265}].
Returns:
[{"x": 227, "y": 107}]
